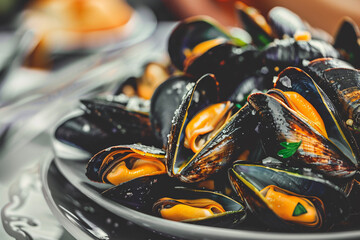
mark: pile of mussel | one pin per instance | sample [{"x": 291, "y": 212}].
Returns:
[{"x": 260, "y": 134}]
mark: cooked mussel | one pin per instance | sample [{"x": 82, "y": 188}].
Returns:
[
  {"x": 119, "y": 164},
  {"x": 341, "y": 83},
  {"x": 144, "y": 86},
  {"x": 210, "y": 145},
  {"x": 288, "y": 201},
  {"x": 194, "y": 36},
  {"x": 140, "y": 193},
  {"x": 165, "y": 100},
  {"x": 347, "y": 41},
  {"x": 200, "y": 207},
  {"x": 255, "y": 24},
  {"x": 296, "y": 80},
  {"x": 199, "y": 46},
  {"x": 129, "y": 118},
  {"x": 285, "y": 23},
  {"x": 291, "y": 133},
  {"x": 289, "y": 52}
]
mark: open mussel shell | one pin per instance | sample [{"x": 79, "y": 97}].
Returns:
[
  {"x": 347, "y": 41},
  {"x": 255, "y": 24},
  {"x": 285, "y": 22},
  {"x": 123, "y": 163},
  {"x": 290, "y": 138},
  {"x": 131, "y": 120},
  {"x": 234, "y": 211},
  {"x": 289, "y": 52},
  {"x": 341, "y": 84},
  {"x": 191, "y": 32},
  {"x": 296, "y": 80},
  {"x": 165, "y": 100},
  {"x": 219, "y": 149},
  {"x": 288, "y": 201}
]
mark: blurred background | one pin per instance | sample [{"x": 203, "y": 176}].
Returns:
[{"x": 54, "y": 52}]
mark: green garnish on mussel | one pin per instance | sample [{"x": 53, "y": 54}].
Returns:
[
  {"x": 288, "y": 201},
  {"x": 287, "y": 116}
]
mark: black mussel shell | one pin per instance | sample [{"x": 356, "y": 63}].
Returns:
[
  {"x": 347, "y": 41},
  {"x": 254, "y": 83},
  {"x": 235, "y": 213},
  {"x": 165, "y": 100},
  {"x": 296, "y": 80},
  {"x": 249, "y": 180},
  {"x": 131, "y": 120},
  {"x": 140, "y": 193},
  {"x": 291, "y": 139},
  {"x": 189, "y": 33},
  {"x": 288, "y": 52},
  {"x": 218, "y": 151},
  {"x": 255, "y": 24},
  {"x": 87, "y": 133},
  {"x": 341, "y": 84},
  {"x": 104, "y": 161},
  {"x": 229, "y": 63},
  {"x": 317, "y": 67},
  {"x": 285, "y": 22}
]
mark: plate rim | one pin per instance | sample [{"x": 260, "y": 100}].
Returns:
[{"x": 174, "y": 228}]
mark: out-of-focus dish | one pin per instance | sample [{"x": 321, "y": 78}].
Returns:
[{"x": 74, "y": 26}]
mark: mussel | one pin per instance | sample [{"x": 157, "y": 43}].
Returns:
[
  {"x": 131, "y": 120},
  {"x": 341, "y": 83},
  {"x": 119, "y": 164},
  {"x": 288, "y": 201},
  {"x": 347, "y": 41},
  {"x": 165, "y": 100},
  {"x": 200, "y": 207},
  {"x": 293, "y": 131},
  {"x": 105, "y": 122},
  {"x": 199, "y": 46},
  {"x": 209, "y": 145},
  {"x": 194, "y": 36},
  {"x": 297, "y": 53},
  {"x": 144, "y": 86},
  {"x": 255, "y": 24}
]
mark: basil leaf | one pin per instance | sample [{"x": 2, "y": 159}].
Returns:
[{"x": 289, "y": 149}]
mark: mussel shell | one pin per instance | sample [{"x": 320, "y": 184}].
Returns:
[
  {"x": 87, "y": 133},
  {"x": 228, "y": 62},
  {"x": 134, "y": 124},
  {"x": 341, "y": 84},
  {"x": 279, "y": 124},
  {"x": 165, "y": 100},
  {"x": 217, "y": 151},
  {"x": 96, "y": 169},
  {"x": 347, "y": 41},
  {"x": 318, "y": 66},
  {"x": 248, "y": 180},
  {"x": 288, "y": 52},
  {"x": 285, "y": 22},
  {"x": 234, "y": 215},
  {"x": 296, "y": 80},
  {"x": 189, "y": 33},
  {"x": 140, "y": 193},
  {"x": 260, "y": 36}
]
